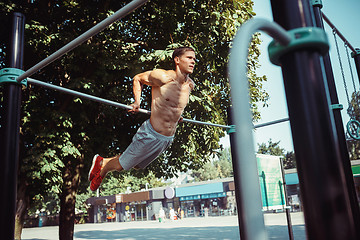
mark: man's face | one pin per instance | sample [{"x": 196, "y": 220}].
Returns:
[{"x": 186, "y": 62}]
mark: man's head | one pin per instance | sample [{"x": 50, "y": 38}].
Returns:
[
  {"x": 178, "y": 52},
  {"x": 184, "y": 59}
]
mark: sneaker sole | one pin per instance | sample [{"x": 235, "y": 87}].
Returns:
[
  {"x": 94, "y": 188},
  {"x": 92, "y": 166}
]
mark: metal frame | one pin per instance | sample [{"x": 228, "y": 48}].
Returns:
[
  {"x": 327, "y": 20},
  {"x": 248, "y": 196},
  {"x": 339, "y": 125},
  {"x": 130, "y": 7},
  {"x": 109, "y": 102},
  {"x": 121, "y": 105},
  {"x": 324, "y": 190},
  {"x": 10, "y": 131},
  {"x": 355, "y": 52},
  {"x": 9, "y": 149}
]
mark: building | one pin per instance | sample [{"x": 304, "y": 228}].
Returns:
[
  {"x": 194, "y": 199},
  {"x": 202, "y": 199}
]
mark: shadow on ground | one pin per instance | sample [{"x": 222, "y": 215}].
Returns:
[{"x": 231, "y": 232}]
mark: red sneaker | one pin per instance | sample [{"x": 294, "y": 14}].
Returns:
[
  {"x": 95, "y": 167},
  {"x": 95, "y": 183}
]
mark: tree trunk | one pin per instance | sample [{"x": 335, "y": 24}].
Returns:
[
  {"x": 22, "y": 204},
  {"x": 71, "y": 178}
]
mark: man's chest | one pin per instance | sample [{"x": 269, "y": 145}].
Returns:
[{"x": 174, "y": 93}]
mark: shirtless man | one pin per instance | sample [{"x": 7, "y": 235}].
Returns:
[{"x": 170, "y": 95}]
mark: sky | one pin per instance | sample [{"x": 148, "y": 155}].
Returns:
[{"x": 345, "y": 16}]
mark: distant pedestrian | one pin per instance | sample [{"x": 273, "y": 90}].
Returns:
[
  {"x": 179, "y": 213},
  {"x": 161, "y": 215},
  {"x": 172, "y": 214}
]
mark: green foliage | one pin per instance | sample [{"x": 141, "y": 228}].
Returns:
[
  {"x": 61, "y": 133},
  {"x": 273, "y": 148},
  {"x": 354, "y": 113},
  {"x": 289, "y": 160},
  {"x": 220, "y": 168}
]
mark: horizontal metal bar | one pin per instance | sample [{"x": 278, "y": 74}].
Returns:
[
  {"x": 206, "y": 123},
  {"x": 83, "y": 37},
  {"x": 83, "y": 95},
  {"x": 271, "y": 123},
  {"x": 108, "y": 102},
  {"x": 120, "y": 105},
  {"x": 327, "y": 20}
]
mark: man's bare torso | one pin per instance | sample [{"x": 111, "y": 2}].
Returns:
[
  {"x": 168, "y": 102},
  {"x": 170, "y": 92}
]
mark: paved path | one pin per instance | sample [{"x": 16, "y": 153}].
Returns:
[{"x": 224, "y": 228}]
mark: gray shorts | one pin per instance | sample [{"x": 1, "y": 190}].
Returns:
[{"x": 146, "y": 146}]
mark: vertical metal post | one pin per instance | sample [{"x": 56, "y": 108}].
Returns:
[
  {"x": 356, "y": 56},
  {"x": 345, "y": 159},
  {"x": 10, "y": 131},
  {"x": 327, "y": 206},
  {"x": 287, "y": 210},
  {"x": 240, "y": 206},
  {"x": 265, "y": 189}
]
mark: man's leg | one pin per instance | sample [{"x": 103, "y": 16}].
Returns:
[
  {"x": 109, "y": 165},
  {"x": 106, "y": 165}
]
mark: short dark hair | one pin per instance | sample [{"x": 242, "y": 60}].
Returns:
[{"x": 178, "y": 52}]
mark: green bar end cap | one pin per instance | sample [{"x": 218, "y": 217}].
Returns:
[
  {"x": 354, "y": 54},
  {"x": 317, "y": 3},
  {"x": 231, "y": 129},
  {"x": 9, "y": 75},
  {"x": 336, "y": 107},
  {"x": 307, "y": 38}
]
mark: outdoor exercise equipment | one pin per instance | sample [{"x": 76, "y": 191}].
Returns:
[
  {"x": 10, "y": 128},
  {"x": 130, "y": 7},
  {"x": 14, "y": 78},
  {"x": 317, "y": 144},
  {"x": 339, "y": 126},
  {"x": 248, "y": 200},
  {"x": 10, "y": 75},
  {"x": 353, "y": 126},
  {"x": 10, "y": 125},
  {"x": 329, "y": 215}
]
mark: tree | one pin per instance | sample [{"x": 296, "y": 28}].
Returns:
[
  {"x": 289, "y": 160},
  {"x": 207, "y": 172},
  {"x": 220, "y": 168},
  {"x": 354, "y": 113},
  {"x": 273, "y": 148},
  {"x": 61, "y": 133}
]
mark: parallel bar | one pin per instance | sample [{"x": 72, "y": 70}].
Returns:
[
  {"x": 271, "y": 123},
  {"x": 83, "y": 37},
  {"x": 206, "y": 123},
  {"x": 83, "y": 95},
  {"x": 120, "y": 105},
  {"x": 108, "y": 102},
  {"x": 327, "y": 20},
  {"x": 252, "y": 219}
]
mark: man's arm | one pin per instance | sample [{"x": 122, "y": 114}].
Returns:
[
  {"x": 138, "y": 81},
  {"x": 157, "y": 77}
]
